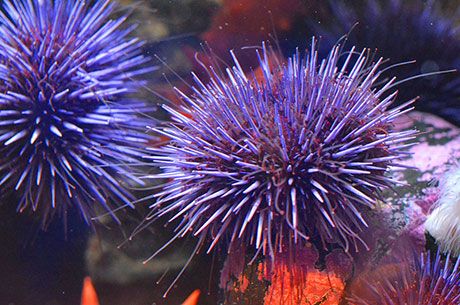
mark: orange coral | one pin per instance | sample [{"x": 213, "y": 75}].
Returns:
[
  {"x": 193, "y": 298},
  {"x": 292, "y": 285},
  {"x": 88, "y": 295},
  {"x": 292, "y": 278}
]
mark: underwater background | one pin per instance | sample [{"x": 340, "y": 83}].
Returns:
[{"x": 53, "y": 237}]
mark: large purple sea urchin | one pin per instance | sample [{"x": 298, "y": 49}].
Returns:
[
  {"x": 423, "y": 281},
  {"x": 67, "y": 130},
  {"x": 300, "y": 153}
]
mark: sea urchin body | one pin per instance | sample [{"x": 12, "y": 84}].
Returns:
[
  {"x": 66, "y": 129},
  {"x": 299, "y": 154}
]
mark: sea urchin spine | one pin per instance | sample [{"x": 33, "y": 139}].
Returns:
[{"x": 425, "y": 280}]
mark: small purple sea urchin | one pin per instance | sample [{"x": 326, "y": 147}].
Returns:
[
  {"x": 423, "y": 281},
  {"x": 67, "y": 130},
  {"x": 298, "y": 154}
]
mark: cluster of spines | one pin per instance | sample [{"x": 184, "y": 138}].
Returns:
[
  {"x": 426, "y": 280},
  {"x": 301, "y": 153},
  {"x": 68, "y": 129}
]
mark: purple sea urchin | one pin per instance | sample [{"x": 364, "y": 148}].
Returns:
[
  {"x": 423, "y": 281},
  {"x": 403, "y": 31},
  {"x": 298, "y": 154},
  {"x": 67, "y": 130}
]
